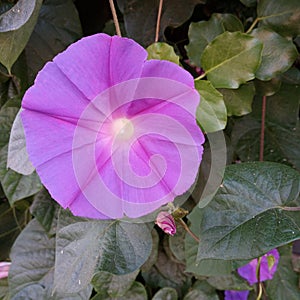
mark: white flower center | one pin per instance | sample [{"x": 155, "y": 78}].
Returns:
[{"x": 123, "y": 129}]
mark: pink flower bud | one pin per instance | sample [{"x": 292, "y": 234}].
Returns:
[
  {"x": 4, "y": 269},
  {"x": 166, "y": 222}
]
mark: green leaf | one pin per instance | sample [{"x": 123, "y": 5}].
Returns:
[
  {"x": 230, "y": 22},
  {"x": 292, "y": 76},
  {"x": 280, "y": 15},
  {"x": 111, "y": 285},
  {"x": 278, "y": 53},
  {"x": 249, "y": 3},
  {"x": 15, "y": 185},
  {"x": 231, "y": 59},
  {"x": 162, "y": 51},
  {"x": 140, "y": 17},
  {"x": 166, "y": 293},
  {"x": 267, "y": 88},
  {"x": 250, "y": 213},
  {"x": 229, "y": 282},
  {"x": 167, "y": 272},
  {"x": 11, "y": 222},
  {"x": 16, "y": 26},
  {"x": 4, "y": 291},
  {"x": 136, "y": 292},
  {"x": 201, "y": 290},
  {"x": 176, "y": 243},
  {"x": 239, "y": 102},
  {"x": 86, "y": 246},
  {"x": 31, "y": 273},
  {"x": 282, "y": 130},
  {"x": 154, "y": 252},
  {"x": 200, "y": 35},
  {"x": 59, "y": 22},
  {"x": 211, "y": 113},
  {"x": 284, "y": 284},
  {"x": 45, "y": 210},
  {"x": 17, "y": 158},
  {"x": 208, "y": 267}
]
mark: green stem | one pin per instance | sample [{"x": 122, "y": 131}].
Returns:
[
  {"x": 253, "y": 25},
  {"x": 201, "y": 76},
  {"x": 262, "y": 131},
  {"x": 115, "y": 17},
  {"x": 188, "y": 230},
  {"x": 259, "y": 284}
]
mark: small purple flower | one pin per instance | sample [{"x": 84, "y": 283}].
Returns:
[
  {"x": 110, "y": 133},
  {"x": 268, "y": 266},
  {"x": 4, "y": 269},
  {"x": 166, "y": 222},
  {"x": 267, "y": 271},
  {"x": 236, "y": 295}
]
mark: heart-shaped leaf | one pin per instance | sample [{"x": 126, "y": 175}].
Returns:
[
  {"x": 31, "y": 273},
  {"x": 251, "y": 213},
  {"x": 84, "y": 247}
]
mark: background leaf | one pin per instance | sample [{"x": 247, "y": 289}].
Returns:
[
  {"x": 110, "y": 285},
  {"x": 282, "y": 133},
  {"x": 136, "y": 292},
  {"x": 162, "y": 51},
  {"x": 12, "y": 221},
  {"x": 16, "y": 26},
  {"x": 247, "y": 217},
  {"x": 236, "y": 65},
  {"x": 239, "y": 101},
  {"x": 45, "y": 210},
  {"x": 140, "y": 17},
  {"x": 211, "y": 113},
  {"x": 31, "y": 273},
  {"x": 59, "y": 22},
  {"x": 17, "y": 158},
  {"x": 166, "y": 293},
  {"x": 15, "y": 185},
  {"x": 200, "y": 35},
  {"x": 278, "y": 53},
  {"x": 284, "y": 284},
  {"x": 201, "y": 290},
  {"x": 280, "y": 15},
  {"x": 86, "y": 246}
]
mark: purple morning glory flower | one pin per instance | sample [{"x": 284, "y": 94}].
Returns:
[
  {"x": 110, "y": 133},
  {"x": 236, "y": 295},
  {"x": 268, "y": 266},
  {"x": 267, "y": 271}
]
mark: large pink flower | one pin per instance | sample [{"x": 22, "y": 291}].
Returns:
[{"x": 110, "y": 133}]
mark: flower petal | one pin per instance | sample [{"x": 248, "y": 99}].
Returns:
[
  {"x": 97, "y": 62},
  {"x": 236, "y": 295}
]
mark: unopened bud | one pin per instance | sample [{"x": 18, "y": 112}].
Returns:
[{"x": 166, "y": 222}]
